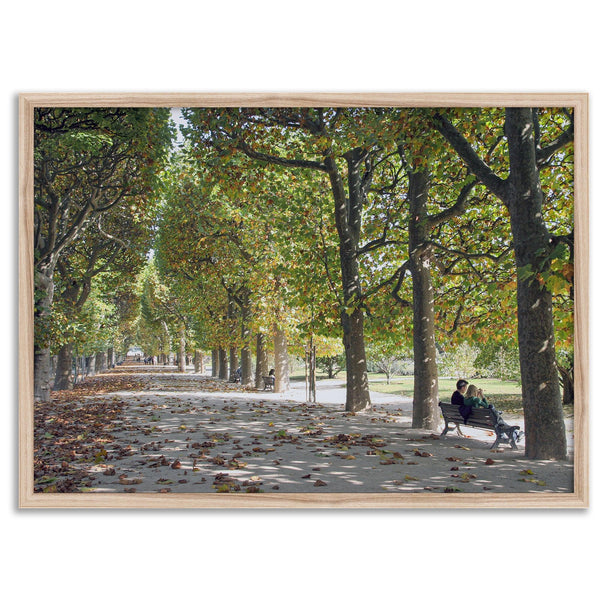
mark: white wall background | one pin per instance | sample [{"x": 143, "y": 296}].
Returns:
[{"x": 192, "y": 46}]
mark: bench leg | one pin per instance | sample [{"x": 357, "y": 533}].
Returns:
[
  {"x": 496, "y": 441},
  {"x": 512, "y": 436},
  {"x": 506, "y": 435}
]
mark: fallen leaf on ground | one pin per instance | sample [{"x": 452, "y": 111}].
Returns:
[{"x": 418, "y": 452}]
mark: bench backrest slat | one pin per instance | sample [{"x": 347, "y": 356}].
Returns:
[{"x": 479, "y": 417}]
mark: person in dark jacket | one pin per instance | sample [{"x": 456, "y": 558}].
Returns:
[{"x": 459, "y": 395}]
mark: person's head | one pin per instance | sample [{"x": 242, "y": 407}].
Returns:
[
  {"x": 461, "y": 385},
  {"x": 472, "y": 391}
]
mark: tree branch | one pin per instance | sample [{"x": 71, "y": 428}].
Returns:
[
  {"x": 278, "y": 160},
  {"x": 456, "y": 209},
  {"x": 542, "y": 155},
  {"x": 482, "y": 171}
]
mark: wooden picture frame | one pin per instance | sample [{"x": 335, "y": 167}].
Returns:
[{"x": 579, "y": 498}]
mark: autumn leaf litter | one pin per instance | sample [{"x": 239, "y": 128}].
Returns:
[{"x": 165, "y": 432}]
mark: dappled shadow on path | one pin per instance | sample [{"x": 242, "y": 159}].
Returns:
[{"x": 190, "y": 433}]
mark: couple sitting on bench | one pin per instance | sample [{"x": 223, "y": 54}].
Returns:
[{"x": 468, "y": 397}]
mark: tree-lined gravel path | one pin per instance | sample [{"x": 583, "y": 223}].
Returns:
[{"x": 145, "y": 429}]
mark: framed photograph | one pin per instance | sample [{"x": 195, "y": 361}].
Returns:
[{"x": 303, "y": 300}]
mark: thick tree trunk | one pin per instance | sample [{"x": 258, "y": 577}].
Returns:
[
  {"x": 348, "y": 219},
  {"x": 425, "y": 399},
  {"x": 282, "y": 373},
  {"x": 357, "y": 384},
  {"x": 234, "y": 361},
  {"x": 44, "y": 294},
  {"x": 544, "y": 421},
  {"x": 100, "y": 362},
  {"x": 42, "y": 373},
  {"x": 262, "y": 360},
  {"x": 223, "y": 364},
  {"x": 90, "y": 365},
  {"x": 215, "y": 366},
  {"x": 246, "y": 365},
  {"x": 63, "y": 379}
]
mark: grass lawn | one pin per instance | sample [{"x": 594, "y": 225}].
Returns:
[{"x": 506, "y": 395}]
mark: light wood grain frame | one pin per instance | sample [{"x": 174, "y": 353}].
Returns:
[{"x": 579, "y": 498}]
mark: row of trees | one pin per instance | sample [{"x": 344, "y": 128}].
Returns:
[
  {"x": 290, "y": 228},
  {"x": 299, "y": 218},
  {"x": 96, "y": 176}
]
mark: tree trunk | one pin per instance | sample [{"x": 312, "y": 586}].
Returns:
[
  {"x": 215, "y": 366},
  {"x": 181, "y": 358},
  {"x": 198, "y": 362},
  {"x": 262, "y": 360},
  {"x": 544, "y": 422},
  {"x": 247, "y": 374},
  {"x": 64, "y": 369},
  {"x": 111, "y": 357},
  {"x": 311, "y": 372},
  {"x": 425, "y": 399},
  {"x": 357, "y": 384},
  {"x": 566, "y": 379},
  {"x": 246, "y": 352},
  {"x": 166, "y": 343},
  {"x": 90, "y": 365},
  {"x": 100, "y": 362},
  {"x": 348, "y": 219},
  {"x": 44, "y": 294},
  {"x": 282, "y": 374},
  {"x": 223, "y": 366},
  {"x": 330, "y": 366},
  {"x": 234, "y": 361}
]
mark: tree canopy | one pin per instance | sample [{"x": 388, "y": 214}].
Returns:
[{"x": 389, "y": 233}]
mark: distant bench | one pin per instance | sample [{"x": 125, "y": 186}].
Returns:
[
  {"x": 269, "y": 382},
  {"x": 480, "y": 418}
]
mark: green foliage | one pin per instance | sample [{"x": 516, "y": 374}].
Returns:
[
  {"x": 95, "y": 171},
  {"x": 244, "y": 215},
  {"x": 459, "y": 363},
  {"x": 499, "y": 360}
]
